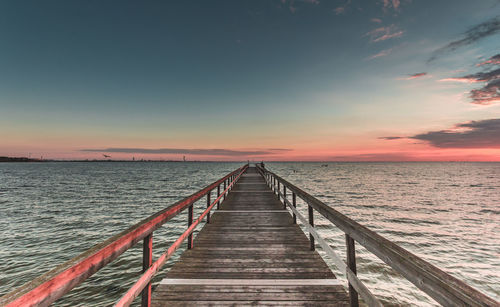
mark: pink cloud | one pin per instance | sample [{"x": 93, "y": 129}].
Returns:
[
  {"x": 494, "y": 60},
  {"x": 474, "y": 134},
  {"x": 391, "y": 3},
  {"x": 339, "y": 10},
  {"x": 376, "y": 20},
  {"x": 380, "y": 54},
  {"x": 489, "y": 94},
  {"x": 459, "y": 79},
  {"x": 417, "y": 75},
  {"x": 477, "y": 77},
  {"x": 385, "y": 33}
]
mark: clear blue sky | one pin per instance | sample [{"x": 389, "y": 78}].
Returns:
[{"x": 315, "y": 79}]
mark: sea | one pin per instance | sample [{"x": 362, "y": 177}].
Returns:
[{"x": 448, "y": 213}]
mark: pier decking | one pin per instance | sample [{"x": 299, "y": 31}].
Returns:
[{"x": 250, "y": 253}]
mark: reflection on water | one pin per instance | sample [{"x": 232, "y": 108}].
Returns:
[{"x": 447, "y": 213}]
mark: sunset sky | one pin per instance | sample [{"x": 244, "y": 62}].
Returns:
[{"x": 350, "y": 80}]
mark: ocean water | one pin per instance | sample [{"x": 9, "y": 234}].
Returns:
[{"x": 446, "y": 213}]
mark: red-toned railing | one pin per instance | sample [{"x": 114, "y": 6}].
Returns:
[
  {"x": 54, "y": 284},
  {"x": 441, "y": 286}
]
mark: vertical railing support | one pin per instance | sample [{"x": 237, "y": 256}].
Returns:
[
  {"x": 208, "y": 205},
  {"x": 147, "y": 260},
  {"x": 311, "y": 222},
  {"x": 218, "y": 194},
  {"x": 190, "y": 221},
  {"x": 294, "y": 203},
  {"x": 224, "y": 190},
  {"x": 279, "y": 190},
  {"x": 284, "y": 196},
  {"x": 351, "y": 263}
]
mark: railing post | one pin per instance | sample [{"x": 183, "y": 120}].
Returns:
[
  {"x": 351, "y": 263},
  {"x": 311, "y": 222},
  {"x": 218, "y": 194},
  {"x": 284, "y": 197},
  {"x": 294, "y": 203},
  {"x": 279, "y": 190},
  {"x": 190, "y": 221},
  {"x": 208, "y": 205},
  {"x": 224, "y": 189},
  {"x": 147, "y": 260}
]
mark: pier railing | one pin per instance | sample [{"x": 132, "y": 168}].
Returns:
[
  {"x": 54, "y": 284},
  {"x": 442, "y": 287}
]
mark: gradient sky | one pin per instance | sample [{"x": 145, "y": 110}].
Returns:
[{"x": 268, "y": 80}]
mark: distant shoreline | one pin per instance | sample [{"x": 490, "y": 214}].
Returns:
[
  {"x": 19, "y": 159},
  {"x": 24, "y": 159},
  {"x": 30, "y": 160}
]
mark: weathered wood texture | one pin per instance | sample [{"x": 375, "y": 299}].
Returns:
[
  {"x": 441, "y": 286},
  {"x": 252, "y": 237}
]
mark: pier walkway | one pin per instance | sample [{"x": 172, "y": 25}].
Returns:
[{"x": 251, "y": 252}]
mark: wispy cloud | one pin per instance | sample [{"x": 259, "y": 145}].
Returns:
[
  {"x": 385, "y": 33},
  {"x": 494, "y": 60},
  {"x": 477, "y": 77},
  {"x": 490, "y": 92},
  {"x": 341, "y": 9},
  {"x": 417, "y": 75},
  {"x": 475, "y": 33},
  {"x": 473, "y": 134},
  {"x": 391, "y": 137},
  {"x": 380, "y": 54},
  {"x": 376, "y": 20},
  {"x": 394, "y": 4},
  {"x": 459, "y": 79},
  {"x": 205, "y": 152}
]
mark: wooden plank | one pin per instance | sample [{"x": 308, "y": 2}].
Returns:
[
  {"x": 251, "y": 282},
  {"x": 252, "y": 288},
  {"x": 251, "y": 253},
  {"x": 171, "y": 303},
  {"x": 220, "y": 296}
]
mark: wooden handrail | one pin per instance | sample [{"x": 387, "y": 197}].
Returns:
[
  {"x": 441, "y": 286},
  {"x": 49, "y": 287},
  {"x": 145, "y": 279}
]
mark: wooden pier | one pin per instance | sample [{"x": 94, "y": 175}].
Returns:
[{"x": 251, "y": 252}]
